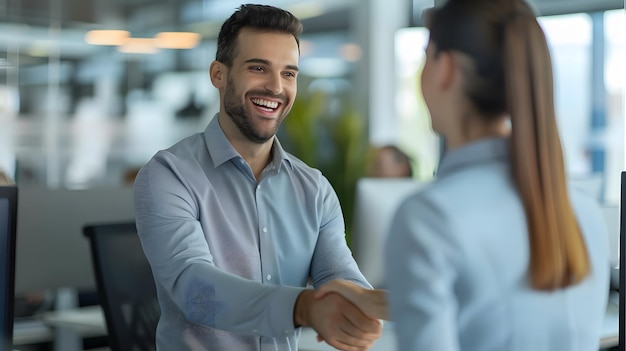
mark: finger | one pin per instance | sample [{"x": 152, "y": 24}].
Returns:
[
  {"x": 348, "y": 334},
  {"x": 330, "y": 287},
  {"x": 347, "y": 346},
  {"x": 321, "y": 292},
  {"x": 356, "y": 323},
  {"x": 362, "y": 322},
  {"x": 352, "y": 335}
]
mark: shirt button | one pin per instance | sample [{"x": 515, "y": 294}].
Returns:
[
  {"x": 254, "y": 331},
  {"x": 269, "y": 277},
  {"x": 258, "y": 187},
  {"x": 264, "y": 229}
]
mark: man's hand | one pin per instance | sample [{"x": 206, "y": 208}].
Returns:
[
  {"x": 372, "y": 302},
  {"x": 337, "y": 321}
]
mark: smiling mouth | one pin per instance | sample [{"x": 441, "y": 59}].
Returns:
[{"x": 266, "y": 105}]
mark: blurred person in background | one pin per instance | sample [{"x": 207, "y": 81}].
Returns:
[{"x": 390, "y": 161}]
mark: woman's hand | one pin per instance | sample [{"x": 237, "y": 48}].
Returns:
[{"x": 372, "y": 302}]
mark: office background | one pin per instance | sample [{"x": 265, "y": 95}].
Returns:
[
  {"x": 78, "y": 115},
  {"x": 75, "y": 115}
]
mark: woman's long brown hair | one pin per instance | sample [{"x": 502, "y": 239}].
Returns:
[
  {"x": 513, "y": 64},
  {"x": 558, "y": 252}
]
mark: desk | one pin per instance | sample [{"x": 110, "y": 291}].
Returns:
[
  {"x": 610, "y": 326},
  {"x": 31, "y": 331},
  {"x": 387, "y": 342},
  {"x": 81, "y": 322},
  {"x": 89, "y": 321},
  {"x": 86, "y": 321}
]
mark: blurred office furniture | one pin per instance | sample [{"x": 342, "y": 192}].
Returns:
[
  {"x": 590, "y": 184},
  {"x": 612, "y": 219},
  {"x": 622, "y": 263},
  {"x": 375, "y": 205},
  {"x": 93, "y": 317},
  {"x": 125, "y": 285},
  {"x": 52, "y": 255},
  {"x": 8, "y": 223}
]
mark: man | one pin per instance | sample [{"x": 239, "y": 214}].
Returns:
[{"x": 233, "y": 226}]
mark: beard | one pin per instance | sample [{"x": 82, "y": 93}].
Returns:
[{"x": 240, "y": 115}]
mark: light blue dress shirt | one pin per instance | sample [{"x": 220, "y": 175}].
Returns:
[
  {"x": 457, "y": 259},
  {"x": 230, "y": 254}
]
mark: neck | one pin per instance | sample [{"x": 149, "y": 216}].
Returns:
[
  {"x": 257, "y": 158},
  {"x": 256, "y": 155},
  {"x": 476, "y": 128}
]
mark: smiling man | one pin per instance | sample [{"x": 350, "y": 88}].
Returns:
[{"x": 233, "y": 226}]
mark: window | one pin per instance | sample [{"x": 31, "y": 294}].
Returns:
[{"x": 592, "y": 127}]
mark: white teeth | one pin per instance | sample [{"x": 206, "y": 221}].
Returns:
[{"x": 266, "y": 103}]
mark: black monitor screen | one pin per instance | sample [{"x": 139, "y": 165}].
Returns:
[
  {"x": 622, "y": 265},
  {"x": 8, "y": 219}
]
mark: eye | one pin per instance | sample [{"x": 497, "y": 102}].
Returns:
[
  {"x": 257, "y": 68},
  {"x": 289, "y": 74}
]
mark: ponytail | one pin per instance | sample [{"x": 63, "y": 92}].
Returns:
[{"x": 558, "y": 254}]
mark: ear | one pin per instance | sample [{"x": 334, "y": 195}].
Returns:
[
  {"x": 446, "y": 70},
  {"x": 218, "y": 73}
]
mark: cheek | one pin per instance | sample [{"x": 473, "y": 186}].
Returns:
[
  {"x": 291, "y": 89},
  {"x": 290, "y": 92}
]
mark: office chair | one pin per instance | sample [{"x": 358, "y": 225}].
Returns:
[{"x": 125, "y": 286}]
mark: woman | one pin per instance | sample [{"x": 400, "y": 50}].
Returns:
[{"x": 497, "y": 253}]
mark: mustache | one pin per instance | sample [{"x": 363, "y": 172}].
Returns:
[{"x": 258, "y": 93}]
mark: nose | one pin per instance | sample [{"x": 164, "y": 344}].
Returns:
[{"x": 274, "y": 84}]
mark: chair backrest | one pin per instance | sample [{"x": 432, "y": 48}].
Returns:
[
  {"x": 125, "y": 286},
  {"x": 8, "y": 220}
]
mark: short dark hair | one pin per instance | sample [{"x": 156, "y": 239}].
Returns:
[{"x": 256, "y": 17}]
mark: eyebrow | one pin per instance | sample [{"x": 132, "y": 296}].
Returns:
[{"x": 266, "y": 62}]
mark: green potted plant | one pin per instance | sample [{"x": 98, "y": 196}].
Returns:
[{"x": 327, "y": 133}]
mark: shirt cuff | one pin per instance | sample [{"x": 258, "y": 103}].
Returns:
[{"x": 282, "y": 310}]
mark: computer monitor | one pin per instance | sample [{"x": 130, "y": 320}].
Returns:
[
  {"x": 51, "y": 251},
  {"x": 622, "y": 264},
  {"x": 8, "y": 223},
  {"x": 377, "y": 200}
]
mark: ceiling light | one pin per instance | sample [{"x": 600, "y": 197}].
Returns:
[
  {"x": 106, "y": 37},
  {"x": 306, "y": 47},
  {"x": 351, "y": 52},
  {"x": 177, "y": 40},
  {"x": 138, "y": 46}
]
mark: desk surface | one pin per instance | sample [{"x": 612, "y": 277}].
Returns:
[
  {"x": 387, "y": 342},
  {"x": 90, "y": 321}
]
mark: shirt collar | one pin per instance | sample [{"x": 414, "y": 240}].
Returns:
[
  {"x": 221, "y": 150},
  {"x": 481, "y": 151}
]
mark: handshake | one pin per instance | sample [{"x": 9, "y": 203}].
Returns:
[
  {"x": 344, "y": 315},
  {"x": 372, "y": 302}
]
